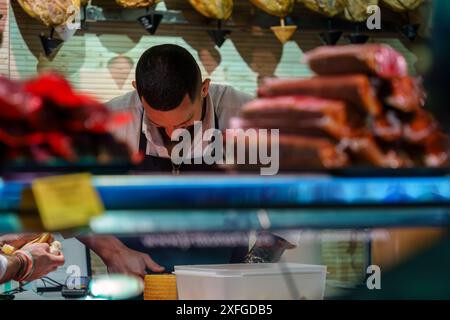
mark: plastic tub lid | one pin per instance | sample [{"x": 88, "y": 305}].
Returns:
[{"x": 242, "y": 270}]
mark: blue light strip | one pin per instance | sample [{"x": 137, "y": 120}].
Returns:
[{"x": 151, "y": 192}]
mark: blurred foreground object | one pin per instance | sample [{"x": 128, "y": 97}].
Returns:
[
  {"x": 362, "y": 109},
  {"x": 160, "y": 287},
  {"x": 43, "y": 121},
  {"x": 438, "y": 77},
  {"x": 424, "y": 276},
  {"x": 116, "y": 287}
]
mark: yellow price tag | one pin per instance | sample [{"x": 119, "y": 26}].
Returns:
[{"x": 67, "y": 201}]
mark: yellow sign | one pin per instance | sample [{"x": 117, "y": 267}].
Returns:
[{"x": 67, "y": 201}]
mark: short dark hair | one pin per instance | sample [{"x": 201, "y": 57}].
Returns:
[{"x": 165, "y": 74}]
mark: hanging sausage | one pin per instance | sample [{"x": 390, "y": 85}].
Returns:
[
  {"x": 215, "y": 9},
  {"x": 281, "y": 9},
  {"x": 54, "y": 14}
]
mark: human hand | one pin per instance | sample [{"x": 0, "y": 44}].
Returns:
[
  {"x": 118, "y": 258},
  {"x": 128, "y": 261},
  {"x": 18, "y": 240},
  {"x": 44, "y": 262}
]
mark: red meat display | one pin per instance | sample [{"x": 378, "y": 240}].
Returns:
[
  {"x": 355, "y": 90},
  {"x": 371, "y": 59},
  {"x": 361, "y": 107},
  {"x": 43, "y": 119}
]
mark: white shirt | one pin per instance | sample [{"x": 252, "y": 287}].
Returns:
[
  {"x": 223, "y": 101},
  {"x": 3, "y": 265}
]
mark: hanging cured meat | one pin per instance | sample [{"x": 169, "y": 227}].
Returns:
[
  {"x": 356, "y": 10},
  {"x": 403, "y": 5},
  {"x": 214, "y": 9},
  {"x": 281, "y": 9},
  {"x": 329, "y": 8},
  {"x": 57, "y": 15},
  {"x": 51, "y": 13},
  {"x": 136, "y": 3}
]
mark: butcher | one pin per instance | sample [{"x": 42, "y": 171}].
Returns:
[{"x": 170, "y": 94}]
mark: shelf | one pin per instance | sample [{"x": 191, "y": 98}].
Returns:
[
  {"x": 158, "y": 204},
  {"x": 162, "y": 221},
  {"x": 234, "y": 192}
]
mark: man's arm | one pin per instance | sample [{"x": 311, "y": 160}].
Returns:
[{"x": 119, "y": 258}]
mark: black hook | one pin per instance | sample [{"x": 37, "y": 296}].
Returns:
[{"x": 50, "y": 44}]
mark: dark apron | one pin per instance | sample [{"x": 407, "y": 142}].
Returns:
[{"x": 172, "y": 256}]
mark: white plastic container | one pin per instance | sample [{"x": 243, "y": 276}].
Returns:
[{"x": 271, "y": 281}]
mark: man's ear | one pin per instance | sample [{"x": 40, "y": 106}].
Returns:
[
  {"x": 205, "y": 88},
  {"x": 133, "y": 83}
]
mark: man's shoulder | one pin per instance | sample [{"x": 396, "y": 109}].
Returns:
[
  {"x": 227, "y": 102},
  {"x": 221, "y": 93},
  {"x": 220, "y": 89},
  {"x": 127, "y": 101}
]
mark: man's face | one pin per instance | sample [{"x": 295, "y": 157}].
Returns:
[{"x": 182, "y": 116}]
